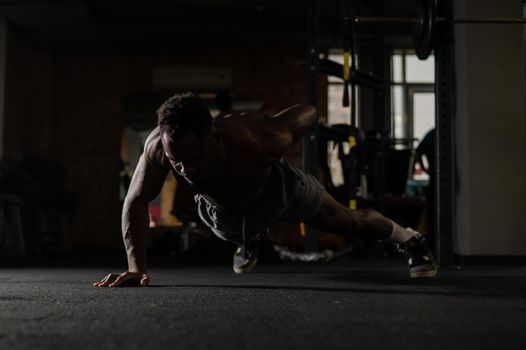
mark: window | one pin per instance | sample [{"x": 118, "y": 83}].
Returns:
[
  {"x": 412, "y": 99},
  {"x": 412, "y": 96}
]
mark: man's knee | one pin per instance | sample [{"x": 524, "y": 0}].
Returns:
[
  {"x": 330, "y": 208},
  {"x": 365, "y": 215}
]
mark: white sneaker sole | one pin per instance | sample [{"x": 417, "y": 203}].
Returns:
[
  {"x": 245, "y": 268},
  {"x": 423, "y": 274}
]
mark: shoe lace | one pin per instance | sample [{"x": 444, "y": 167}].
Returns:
[{"x": 414, "y": 246}]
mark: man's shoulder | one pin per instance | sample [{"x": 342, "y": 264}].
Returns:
[{"x": 153, "y": 148}]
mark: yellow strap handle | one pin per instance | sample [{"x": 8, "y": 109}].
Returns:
[
  {"x": 346, "y": 66},
  {"x": 303, "y": 230},
  {"x": 352, "y": 142}
]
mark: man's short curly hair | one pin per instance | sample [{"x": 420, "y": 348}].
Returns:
[{"x": 182, "y": 113}]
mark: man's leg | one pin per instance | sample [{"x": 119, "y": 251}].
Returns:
[
  {"x": 369, "y": 224},
  {"x": 366, "y": 223}
]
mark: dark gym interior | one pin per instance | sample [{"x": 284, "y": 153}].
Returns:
[{"x": 420, "y": 115}]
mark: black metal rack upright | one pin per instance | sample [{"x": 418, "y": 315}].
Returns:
[
  {"x": 309, "y": 159},
  {"x": 445, "y": 137}
]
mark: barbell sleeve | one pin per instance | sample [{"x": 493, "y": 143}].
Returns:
[{"x": 409, "y": 20}]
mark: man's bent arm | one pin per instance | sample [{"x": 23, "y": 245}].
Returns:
[
  {"x": 297, "y": 120},
  {"x": 145, "y": 185},
  {"x": 279, "y": 133}
]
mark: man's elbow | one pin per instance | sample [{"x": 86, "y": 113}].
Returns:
[
  {"x": 310, "y": 113},
  {"x": 308, "y": 117},
  {"x": 305, "y": 119},
  {"x": 308, "y": 110}
]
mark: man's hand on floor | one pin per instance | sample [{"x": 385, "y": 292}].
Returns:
[{"x": 133, "y": 279}]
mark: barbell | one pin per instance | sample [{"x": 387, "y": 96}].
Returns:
[{"x": 425, "y": 24}]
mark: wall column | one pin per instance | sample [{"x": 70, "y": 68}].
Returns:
[{"x": 491, "y": 131}]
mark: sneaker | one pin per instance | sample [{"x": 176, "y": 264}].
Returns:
[
  {"x": 419, "y": 258},
  {"x": 244, "y": 261}
]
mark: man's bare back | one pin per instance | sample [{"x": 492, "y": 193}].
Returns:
[{"x": 233, "y": 173}]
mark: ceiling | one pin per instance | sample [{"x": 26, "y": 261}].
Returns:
[{"x": 210, "y": 23}]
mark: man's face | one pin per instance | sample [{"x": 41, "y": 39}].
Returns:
[{"x": 192, "y": 157}]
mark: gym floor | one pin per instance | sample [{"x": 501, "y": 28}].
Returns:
[{"x": 287, "y": 306}]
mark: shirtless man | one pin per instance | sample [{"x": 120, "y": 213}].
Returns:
[{"x": 243, "y": 184}]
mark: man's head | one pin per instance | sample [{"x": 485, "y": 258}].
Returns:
[
  {"x": 181, "y": 114},
  {"x": 186, "y": 130}
]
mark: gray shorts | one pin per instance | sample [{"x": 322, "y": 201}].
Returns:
[{"x": 290, "y": 195}]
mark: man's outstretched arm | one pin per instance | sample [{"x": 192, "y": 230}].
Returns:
[{"x": 146, "y": 184}]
